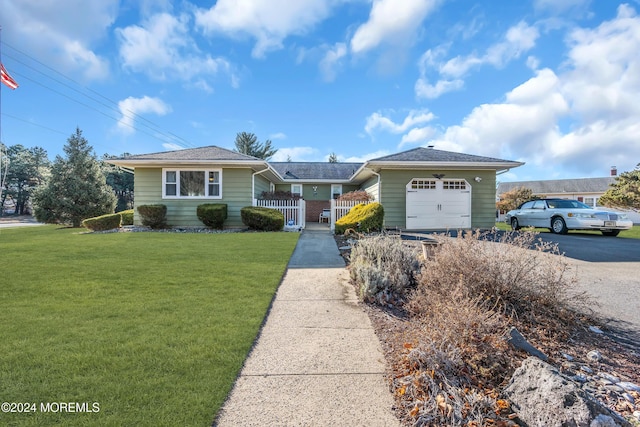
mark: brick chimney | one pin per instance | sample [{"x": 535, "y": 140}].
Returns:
[{"x": 614, "y": 171}]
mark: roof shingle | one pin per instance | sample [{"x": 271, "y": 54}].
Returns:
[{"x": 315, "y": 170}]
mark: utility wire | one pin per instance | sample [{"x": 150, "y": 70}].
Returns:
[{"x": 167, "y": 137}]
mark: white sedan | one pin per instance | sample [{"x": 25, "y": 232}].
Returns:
[{"x": 561, "y": 215}]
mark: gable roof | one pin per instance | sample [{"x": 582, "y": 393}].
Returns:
[
  {"x": 557, "y": 186},
  {"x": 210, "y": 153},
  {"x": 422, "y": 154},
  {"x": 429, "y": 158},
  {"x": 315, "y": 171}
]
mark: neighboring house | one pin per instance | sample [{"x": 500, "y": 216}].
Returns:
[
  {"x": 585, "y": 190},
  {"x": 419, "y": 189}
]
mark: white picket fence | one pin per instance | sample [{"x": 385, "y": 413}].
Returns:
[
  {"x": 340, "y": 208},
  {"x": 292, "y": 209}
]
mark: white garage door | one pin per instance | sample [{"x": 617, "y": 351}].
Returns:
[{"x": 438, "y": 204}]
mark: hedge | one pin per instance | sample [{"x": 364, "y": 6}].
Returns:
[
  {"x": 127, "y": 217},
  {"x": 212, "y": 214},
  {"x": 154, "y": 216},
  {"x": 264, "y": 219},
  {"x": 103, "y": 222},
  {"x": 363, "y": 218}
]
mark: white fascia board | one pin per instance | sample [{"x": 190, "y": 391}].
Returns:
[
  {"x": 444, "y": 165},
  {"x": 177, "y": 163}
]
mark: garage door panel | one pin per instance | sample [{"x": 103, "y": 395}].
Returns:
[{"x": 438, "y": 204}]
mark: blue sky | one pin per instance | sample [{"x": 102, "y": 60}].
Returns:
[{"x": 553, "y": 83}]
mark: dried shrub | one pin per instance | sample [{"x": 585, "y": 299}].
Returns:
[
  {"x": 279, "y": 195},
  {"x": 383, "y": 268},
  {"x": 456, "y": 357},
  {"x": 357, "y": 195},
  {"x": 515, "y": 272}
]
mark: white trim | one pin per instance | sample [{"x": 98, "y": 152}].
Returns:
[
  {"x": 205, "y": 177},
  {"x": 295, "y": 192},
  {"x": 339, "y": 192}
]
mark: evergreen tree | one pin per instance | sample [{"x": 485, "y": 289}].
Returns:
[
  {"x": 333, "y": 158},
  {"x": 247, "y": 143},
  {"x": 121, "y": 181},
  {"x": 77, "y": 188},
  {"x": 625, "y": 192},
  {"x": 25, "y": 170}
]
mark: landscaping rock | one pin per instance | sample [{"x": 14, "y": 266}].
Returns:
[
  {"x": 541, "y": 396},
  {"x": 520, "y": 342},
  {"x": 594, "y": 356}
]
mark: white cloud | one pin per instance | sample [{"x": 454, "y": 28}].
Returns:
[
  {"x": 391, "y": 21},
  {"x": 163, "y": 49},
  {"x": 425, "y": 90},
  {"x": 332, "y": 61},
  {"x": 61, "y": 33},
  {"x": 297, "y": 154},
  {"x": 417, "y": 136},
  {"x": 170, "y": 146},
  {"x": 278, "y": 135},
  {"x": 518, "y": 39},
  {"x": 363, "y": 158},
  {"x": 580, "y": 121},
  {"x": 377, "y": 121},
  {"x": 269, "y": 22},
  {"x": 131, "y": 108}
]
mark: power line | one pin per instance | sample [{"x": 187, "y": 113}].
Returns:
[{"x": 160, "y": 133}]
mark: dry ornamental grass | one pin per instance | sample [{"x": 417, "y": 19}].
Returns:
[{"x": 444, "y": 321}]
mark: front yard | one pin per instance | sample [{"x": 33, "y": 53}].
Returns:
[{"x": 151, "y": 327}]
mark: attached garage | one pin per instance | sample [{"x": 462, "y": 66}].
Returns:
[{"x": 438, "y": 204}]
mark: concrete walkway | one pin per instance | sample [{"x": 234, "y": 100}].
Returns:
[{"x": 317, "y": 361}]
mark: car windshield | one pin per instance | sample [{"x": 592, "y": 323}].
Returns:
[{"x": 566, "y": 204}]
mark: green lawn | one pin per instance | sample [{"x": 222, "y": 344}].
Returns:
[
  {"x": 154, "y": 327},
  {"x": 634, "y": 233}
]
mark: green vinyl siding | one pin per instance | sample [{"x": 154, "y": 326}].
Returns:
[
  {"x": 393, "y": 194},
  {"x": 371, "y": 187},
  {"x": 261, "y": 185},
  {"x": 236, "y": 194}
]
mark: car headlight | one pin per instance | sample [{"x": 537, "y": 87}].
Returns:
[{"x": 581, "y": 215}]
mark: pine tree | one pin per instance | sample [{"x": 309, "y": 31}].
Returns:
[
  {"x": 625, "y": 192},
  {"x": 333, "y": 158},
  {"x": 77, "y": 188},
  {"x": 247, "y": 143}
]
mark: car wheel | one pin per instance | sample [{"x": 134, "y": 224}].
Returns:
[
  {"x": 612, "y": 233},
  {"x": 558, "y": 225},
  {"x": 514, "y": 224}
]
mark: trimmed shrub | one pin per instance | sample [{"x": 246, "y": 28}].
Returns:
[
  {"x": 212, "y": 214},
  {"x": 103, "y": 222},
  {"x": 384, "y": 269},
  {"x": 363, "y": 218},
  {"x": 127, "y": 217},
  {"x": 154, "y": 216},
  {"x": 264, "y": 219}
]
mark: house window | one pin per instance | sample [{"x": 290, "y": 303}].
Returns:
[
  {"x": 589, "y": 201},
  {"x": 296, "y": 189},
  {"x": 454, "y": 185},
  {"x": 423, "y": 184},
  {"x": 336, "y": 190},
  {"x": 192, "y": 183}
]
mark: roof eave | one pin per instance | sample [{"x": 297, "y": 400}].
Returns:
[
  {"x": 378, "y": 165},
  {"x": 171, "y": 163}
]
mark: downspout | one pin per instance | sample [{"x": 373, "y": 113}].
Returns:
[{"x": 379, "y": 181}]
